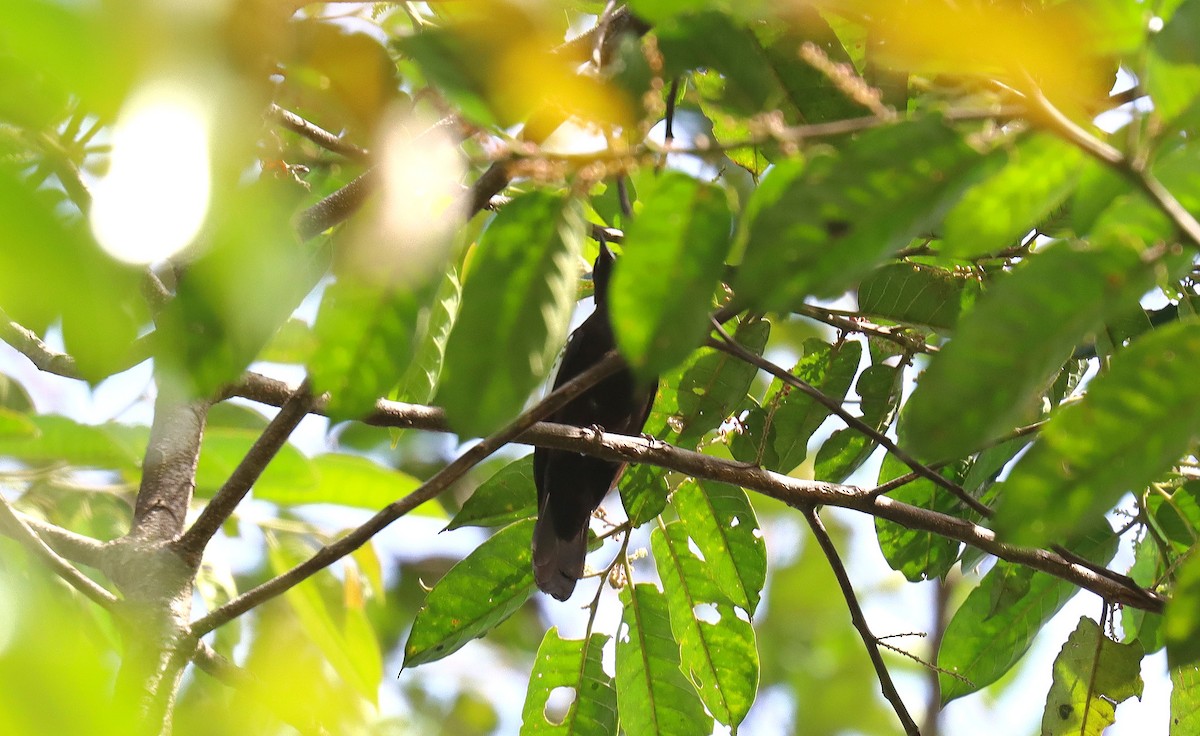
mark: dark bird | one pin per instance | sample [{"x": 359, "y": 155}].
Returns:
[{"x": 570, "y": 486}]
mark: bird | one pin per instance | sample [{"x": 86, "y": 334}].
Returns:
[{"x": 570, "y": 485}]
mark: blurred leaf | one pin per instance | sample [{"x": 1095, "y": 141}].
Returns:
[
  {"x": 573, "y": 664},
  {"x": 420, "y": 381},
  {"x": 1177, "y": 515},
  {"x": 517, "y": 302},
  {"x": 505, "y": 497},
  {"x": 652, "y": 695},
  {"x": 814, "y": 230},
  {"x": 482, "y": 590},
  {"x": 997, "y": 622},
  {"x": 920, "y": 555},
  {"x": 1085, "y": 458},
  {"x": 910, "y": 292},
  {"x": 288, "y": 475},
  {"x": 1092, "y": 675},
  {"x": 720, "y": 520},
  {"x": 1185, "y": 700},
  {"x": 365, "y": 336},
  {"x": 50, "y": 269},
  {"x": 231, "y": 300},
  {"x": 347, "y": 480},
  {"x": 1031, "y": 178},
  {"x": 719, "y": 656},
  {"x": 1181, "y": 624},
  {"x": 293, "y": 342},
  {"x": 339, "y": 627},
  {"x": 1173, "y": 65},
  {"x": 59, "y": 439},
  {"x": 16, "y": 425},
  {"x": 1011, "y": 345},
  {"x": 673, "y": 257},
  {"x": 13, "y": 395}
]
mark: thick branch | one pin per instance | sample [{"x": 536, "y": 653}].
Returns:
[
  {"x": 792, "y": 491},
  {"x": 430, "y": 489},
  {"x": 860, "y": 621},
  {"x": 169, "y": 469},
  {"x": 191, "y": 545}
]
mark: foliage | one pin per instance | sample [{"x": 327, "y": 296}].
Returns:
[{"x": 918, "y": 247}]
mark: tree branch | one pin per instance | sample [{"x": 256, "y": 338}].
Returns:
[
  {"x": 72, "y": 546},
  {"x": 792, "y": 491},
  {"x": 728, "y": 345},
  {"x": 860, "y": 621},
  {"x": 169, "y": 470},
  {"x": 191, "y": 545},
  {"x": 65, "y": 570},
  {"x": 317, "y": 134},
  {"x": 430, "y": 489}
]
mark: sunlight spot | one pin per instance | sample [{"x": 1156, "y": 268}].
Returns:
[{"x": 152, "y": 202}]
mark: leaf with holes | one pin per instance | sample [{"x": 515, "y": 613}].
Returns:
[
  {"x": 721, "y": 521},
  {"x": 652, "y": 695},
  {"x": 716, "y": 645},
  {"x": 573, "y": 664},
  {"x": 1092, "y": 675},
  {"x": 478, "y": 593}
]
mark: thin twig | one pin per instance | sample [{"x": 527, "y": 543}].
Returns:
[
  {"x": 72, "y": 546},
  {"x": 792, "y": 491},
  {"x": 191, "y": 545},
  {"x": 430, "y": 489},
  {"x": 728, "y": 345},
  {"x": 318, "y": 135},
  {"x": 860, "y": 621},
  {"x": 65, "y": 570}
]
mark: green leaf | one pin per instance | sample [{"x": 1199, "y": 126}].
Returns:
[
  {"x": 1173, "y": 65},
  {"x": 334, "y": 621},
  {"x": 517, "y": 302},
  {"x": 16, "y": 425},
  {"x": 673, "y": 258},
  {"x": 1086, "y": 457},
  {"x": 1031, "y": 179},
  {"x": 719, "y": 657},
  {"x": 421, "y": 379},
  {"x": 791, "y": 416},
  {"x": 1092, "y": 675},
  {"x": 447, "y": 60},
  {"x": 816, "y": 230},
  {"x": 720, "y": 520},
  {"x": 917, "y": 294},
  {"x": 652, "y": 695},
  {"x": 1181, "y": 623},
  {"x": 347, "y": 480},
  {"x": 692, "y": 400},
  {"x": 878, "y": 388},
  {"x": 478, "y": 593},
  {"x": 233, "y": 298},
  {"x": 505, "y": 497},
  {"x": 365, "y": 335},
  {"x": 289, "y": 474},
  {"x": 919, "y": 555},
  {"x": 1008, "y": 349},
  {"x": 999, "y": 619},
  {"x": 1185, "y": 700},
  {"x": 573, "y": 664},
  {"x": 59, "y": 439}
]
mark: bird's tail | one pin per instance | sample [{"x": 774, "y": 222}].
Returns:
[{"x": 557, "y": 562}]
